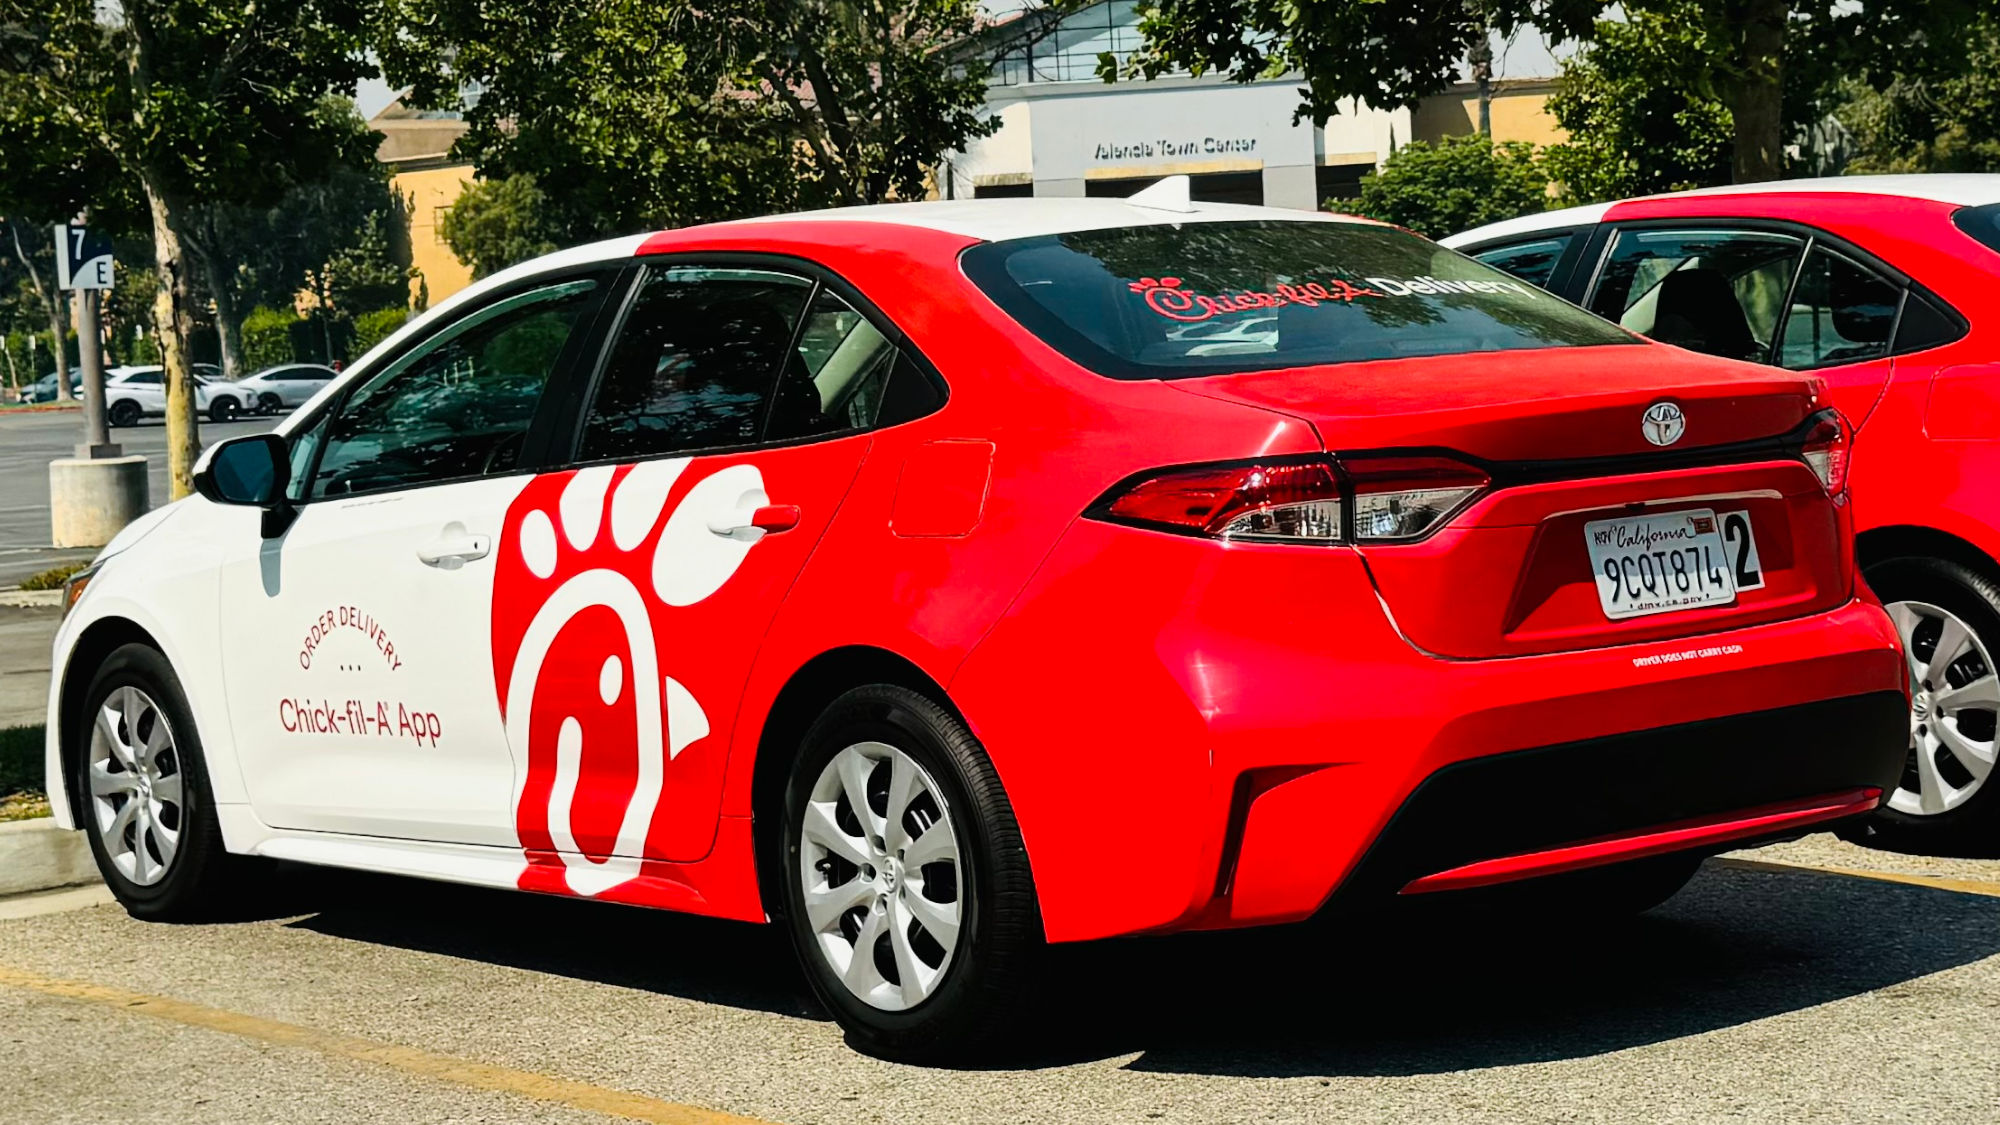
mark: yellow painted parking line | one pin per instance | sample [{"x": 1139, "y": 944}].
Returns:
[
  {"x": 411, "y": 1060},
  {"x": 1935, "y": 882}
]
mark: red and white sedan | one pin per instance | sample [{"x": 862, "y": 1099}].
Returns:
[
  {"x": 910, "y": 576},
  {"x": 1885, "y": 288}
]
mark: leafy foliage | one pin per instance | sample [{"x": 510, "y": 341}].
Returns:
[
  {"x": 372, "y": 328},
  {"x": 1453, "y": 185},
  {"x": 267, "y": 338},
  {"x": 654, "y": 115},
  {"x": 1939, "y": 118},
  {"x": 1641, "y": 111},
  {"x": 495, "y": 223}
]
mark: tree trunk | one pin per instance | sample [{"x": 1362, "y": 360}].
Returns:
[
  {"x": 51, "y": 303},
  {"x": 228, "y": 316},
  {"x": 1758, "y": 104},
  {"x": 1481, "y": 58},
  {"x": 173, "y": 318}
]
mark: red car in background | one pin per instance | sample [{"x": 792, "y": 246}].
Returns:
[
  {"x": 940, "y": 579},
  {"x": 1888, "y": 289}
]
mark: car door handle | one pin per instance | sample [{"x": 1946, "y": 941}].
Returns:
[
  {"x": 454, "y": 547},
  {"x": 752, "y": 524}
]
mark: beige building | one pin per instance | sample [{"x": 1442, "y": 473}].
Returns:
[
  {"x": 416, "y": 145},
  {"x": 1518, "y": 108}
]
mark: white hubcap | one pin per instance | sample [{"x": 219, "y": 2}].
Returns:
[
  {"x": 1954, "y": 704},
  {"x": 135, "y": 786},
  {"x": 879, "y": 862}
]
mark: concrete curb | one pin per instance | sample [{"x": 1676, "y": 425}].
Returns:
[
  {"x": 17, "y": 598},
  {"x": 35, "y": 855}
]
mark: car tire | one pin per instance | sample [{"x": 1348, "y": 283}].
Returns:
[
  {"x": 164, "y": 862},
  {"x": 1942, "y": 802},
  {"x": 123, "y": 413},
  {"x": 963, "y": 991},
  {"x": 224, "y": 409},
  {"x": 270, "y": 403}
]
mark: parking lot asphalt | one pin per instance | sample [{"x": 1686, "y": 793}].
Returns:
[
  {"x": 1773, "y": 989},
  {"x": 29, "y": 440}
]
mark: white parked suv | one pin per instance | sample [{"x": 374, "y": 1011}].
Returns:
[
  {"x": 277, "y": 389},
  {"x": 132, "y": 393}
]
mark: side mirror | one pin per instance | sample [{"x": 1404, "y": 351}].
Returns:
[{"x": 251, "y": 471}]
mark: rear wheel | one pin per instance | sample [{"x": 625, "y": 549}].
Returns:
[
  {"x": 1948, "y": 617},
  {"x": 147, "y": 806},
  {"x": 907, "y": 892},
  {"x": 124, "y": 412}
]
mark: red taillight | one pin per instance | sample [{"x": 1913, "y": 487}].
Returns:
[
  {"x": 1298, "y": 503},
  {"x": 1825, "y": 450},
  {"x": 1369, "y": 500}
]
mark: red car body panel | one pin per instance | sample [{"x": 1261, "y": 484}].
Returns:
[
  {"x": 1926, "y": 446},
  {"x": 1229, "y": 727}
]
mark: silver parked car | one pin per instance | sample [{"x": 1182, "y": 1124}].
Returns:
[{"x": 280, "y": 388}]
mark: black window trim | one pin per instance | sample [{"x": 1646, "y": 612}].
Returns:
[
  {"x": 566, "y": 448},
  {"x": 1909, "y": 286},
  {"x": 1566, "y": 263},
  {"x": 537, "y": 442}
]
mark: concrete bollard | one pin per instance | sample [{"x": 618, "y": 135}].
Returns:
[{"x": 89, "y": 500}]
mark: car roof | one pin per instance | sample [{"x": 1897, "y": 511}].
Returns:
[
  {"x": 1968, "y": 189},
  {"x": 995, "y": 220}
]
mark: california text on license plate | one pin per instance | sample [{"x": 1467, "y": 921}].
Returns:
[{"x": 1659, "y": 563}]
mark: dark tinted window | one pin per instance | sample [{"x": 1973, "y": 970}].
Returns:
[
  {"x": 695, "y": 362},
  {"x": 1841, "y": 313},
  {"x": 1925, "y": 325},
  {"x": 141, "y": 378},
  {"x": 459, "y": 404},
  {"x": 838, "y": 376},
  {"x": 1532, "y": 262},
  {"x": 1982, "y": 223},
  {"x": 1173, "y": 301},
  {"x": 1715, "y": 291}
]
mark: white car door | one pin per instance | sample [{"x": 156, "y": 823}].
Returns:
[{"x": 358, "y": 642}]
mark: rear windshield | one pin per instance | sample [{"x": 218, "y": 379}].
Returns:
[{"x": 1165, "y": 302}]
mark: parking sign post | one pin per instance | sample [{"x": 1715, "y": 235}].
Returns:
[
  {"x": 83, "y": 264},
  {"x": 98, "y": 491}
]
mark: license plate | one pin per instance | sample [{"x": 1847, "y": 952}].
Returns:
[{"x": 1660, "y": 563}]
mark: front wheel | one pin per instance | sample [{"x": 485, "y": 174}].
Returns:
[
  {"x": 147, "y": 806},
  {"x": 269, "y": 403},
  {"x": 907, "y": 890},
  {"x": 124, "y": 412},
  {"x": 1948, "y": 616},
  {"x": 224, "y": 409}
]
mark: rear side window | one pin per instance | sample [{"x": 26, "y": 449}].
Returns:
[
  {"x": 1841, "y": 313},
  {"x": 1716, "y": 291},
  {"x": 1205, "y": 298},
  {"x": 1532, "y": 262}
]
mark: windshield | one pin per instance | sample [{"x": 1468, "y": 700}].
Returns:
[{"x": 1163, "y": 302}]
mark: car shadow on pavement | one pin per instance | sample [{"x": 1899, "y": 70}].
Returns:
[{"x": 1359, "y": 997}]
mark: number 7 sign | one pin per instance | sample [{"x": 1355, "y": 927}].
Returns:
[{"x": 83, "y": 258}]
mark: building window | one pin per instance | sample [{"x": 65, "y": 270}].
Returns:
[{"x": 1069, "y": 52}]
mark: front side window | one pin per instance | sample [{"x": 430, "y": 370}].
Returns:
[
  {"x": 1205, "y": 298},
  {"x": 456, "y": 406},
  {"x": 695, "y": 362},
  {"x": 1841, "y": 313},
  {"x": 1532, "y": 262},
  {"x": 1716, "y": 291}
]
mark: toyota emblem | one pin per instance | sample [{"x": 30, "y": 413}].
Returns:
[{"x": 1664, "y": 423}]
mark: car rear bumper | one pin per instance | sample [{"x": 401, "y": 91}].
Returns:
[
  {"x": 1706, "y": 785},
  {"x": 1199, "y": 738}
]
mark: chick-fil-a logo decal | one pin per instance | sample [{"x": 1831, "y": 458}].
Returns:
[
  {"x": 1171, "y": 299},
  {"x": 593, "y": 651}
]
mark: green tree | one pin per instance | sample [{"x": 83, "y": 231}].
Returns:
[
  {"x": 653, "y": 115},
  {"x": 195, "y": 103},
  {"x": 1453, "y": 185},
  {"x": 1392, "y": 52},
  {"x": 495, "y": 223},
  {"x": 264, "y": 251},
  {"x": 1640, "y": 110}
]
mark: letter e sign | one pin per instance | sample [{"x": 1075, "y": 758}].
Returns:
[{"x": 83, "y": 258}]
